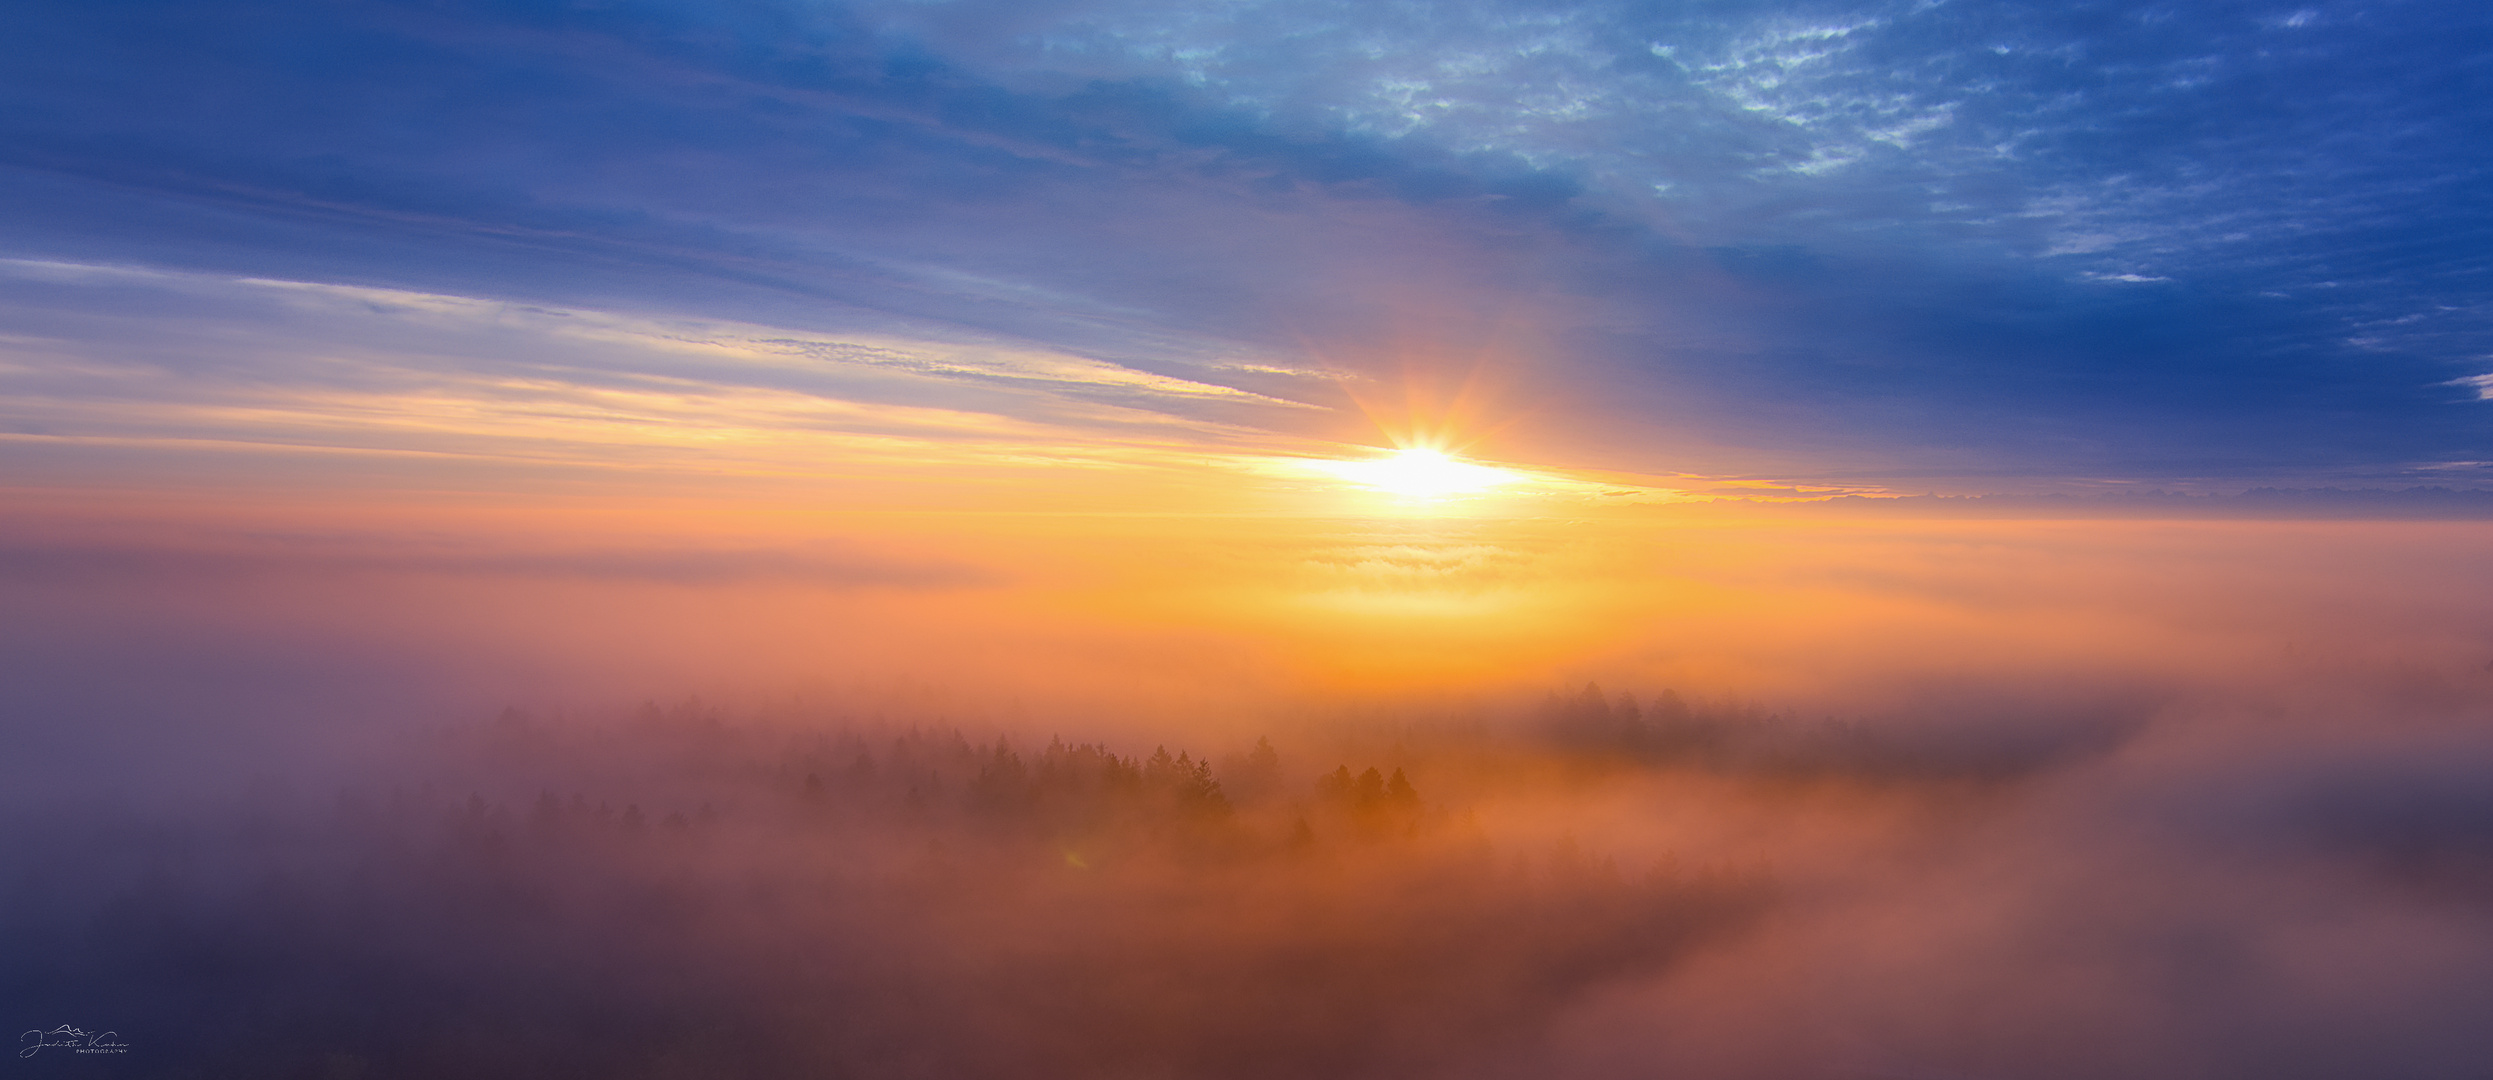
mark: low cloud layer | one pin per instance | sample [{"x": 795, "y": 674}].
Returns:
[
  {"x": 1853, "y": 797},
  {"x": 686, "y": 892}
]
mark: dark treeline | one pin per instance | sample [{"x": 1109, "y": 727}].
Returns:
[
  {"x": 1749, "y": 740},
  {"x": 678, "y": 895}
]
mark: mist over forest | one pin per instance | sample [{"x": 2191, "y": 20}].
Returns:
[{"x": 1594, "y": 883}]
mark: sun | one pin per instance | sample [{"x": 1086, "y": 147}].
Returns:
[{"x": 1421, "y": 473}]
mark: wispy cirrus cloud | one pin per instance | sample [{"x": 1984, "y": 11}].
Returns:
[{"x": 198, "y": 360}]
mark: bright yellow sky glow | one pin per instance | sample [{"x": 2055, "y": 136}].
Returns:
[{"x": 1422, "y": 473}]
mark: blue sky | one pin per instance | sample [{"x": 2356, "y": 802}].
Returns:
[{"x": 1948, "y": 245}]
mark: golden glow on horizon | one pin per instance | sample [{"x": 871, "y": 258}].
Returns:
[{"x": 1419, "y": 472}]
